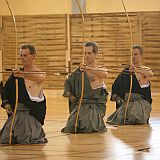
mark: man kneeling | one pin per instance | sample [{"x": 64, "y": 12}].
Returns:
[
  {"x": 93, "y": 106},
  {"x": 139, "y": 108},
  {"x": 31, "y": 110}
]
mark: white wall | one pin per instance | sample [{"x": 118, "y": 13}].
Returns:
[
  {"x": 32, "y": 7},
  {"x": 103, "y": 6}
]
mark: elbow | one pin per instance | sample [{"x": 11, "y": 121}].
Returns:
[
  {"x": 106, "y": 75},
  {"x": 150, "y": 74},
  {"x": 40, "y": 81}
]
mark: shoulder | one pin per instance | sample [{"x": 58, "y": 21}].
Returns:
[
  {"x": 123, "y": 74},
  {"x": 125, "y": 70},
  {"x": 73, "y": 74},
  {"x": 11, "y": 77},
  {"x": 98, "y": 66},
  {"x": 37, "y": 69},
  {"x": 75, "y": 71},
  {"x": 39, "y": 72},
  {"x": 101, "y": 68},
  {"x": 145, "y": 67}
]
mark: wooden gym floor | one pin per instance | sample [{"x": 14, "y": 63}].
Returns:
[{"x": 136, "y": 142}]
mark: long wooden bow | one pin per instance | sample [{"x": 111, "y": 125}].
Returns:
[
  {"x": 82, "y": 89},
  {"x": 16, "y": 81},
  {"x": 131, "y": 76}
]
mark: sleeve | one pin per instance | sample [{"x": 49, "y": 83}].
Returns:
[
  {"x": 67, "y": 86},
  {"x": 119, "y": 87},
  {"x": 116, "y": 87},
  {"x": 1, "y": 86},
  {"x": 69, "y": 82},
  {"x": 7, "y": 90}
]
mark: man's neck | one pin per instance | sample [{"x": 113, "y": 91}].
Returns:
[
  {"x": 29, "y": 68},
  {"x": 138, "y": 64},
  {"x": 93, "y": 65}
]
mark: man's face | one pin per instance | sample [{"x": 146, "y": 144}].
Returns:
[
  {"x": 90, "y": 57},
  {"x": 136, "y": 56},
  {"x": 26, "y": 57}
]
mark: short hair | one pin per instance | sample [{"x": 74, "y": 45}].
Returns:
[
  {"x": 28, "y": 46},
  {"x": 139, "y": 48},
  {"x": 94, "y": 45}
]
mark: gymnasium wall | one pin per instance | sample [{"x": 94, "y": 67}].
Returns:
[
  {"x": 46, "y": 25},
  {"x": 110, "y": 30}
]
